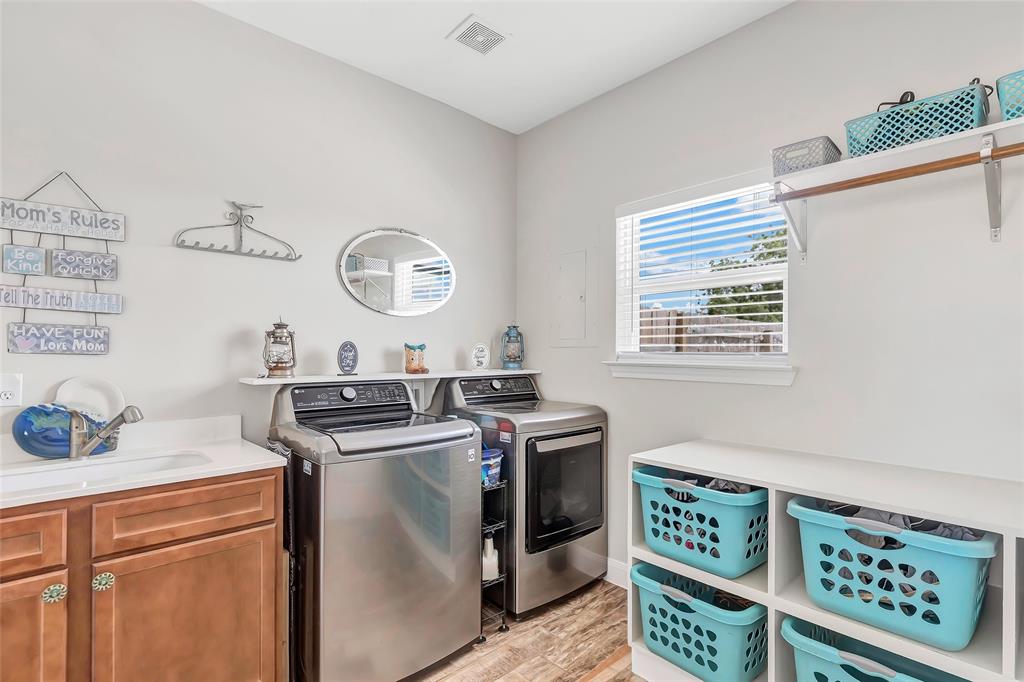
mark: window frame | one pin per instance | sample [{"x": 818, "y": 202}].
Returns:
[{"x": 744, "y": 368}]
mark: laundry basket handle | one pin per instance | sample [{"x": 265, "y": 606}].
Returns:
[
  {"x": 676, "y": 483},
  {"x": 673, "y": 593},
  {"x": 873, "y": 525},
  {"x": 867, "y": 665}
]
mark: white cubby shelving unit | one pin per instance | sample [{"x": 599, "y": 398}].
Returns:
[{"x": 997, "y": 650}]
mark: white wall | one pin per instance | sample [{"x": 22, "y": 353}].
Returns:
[
  {"x": 905, "y": 323},
  {"x": 165, "y": 110}
]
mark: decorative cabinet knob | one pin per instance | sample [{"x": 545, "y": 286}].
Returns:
[
  {"x": 54, "y": 593},
  {"x": 103, "y": 582}
]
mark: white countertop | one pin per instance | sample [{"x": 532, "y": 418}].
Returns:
[{"x": 150, "y": 453}]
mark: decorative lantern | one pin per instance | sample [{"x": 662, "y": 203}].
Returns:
[
  {"x": 513, "y": 348},
  {"x": 279, "y": 351}
]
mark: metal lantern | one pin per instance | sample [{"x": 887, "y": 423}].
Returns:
[
  {"x": 279, "y": 351},
  {"x": 513, "y": 348}
]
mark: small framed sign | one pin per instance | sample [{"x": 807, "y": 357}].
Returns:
[
  {"x": 57, "y": 339},
  {"x": 33, "y": 216},
  {"x": 59, "y": 299},
  {"x": 83, "y": 264},
  {"x": 24, "y": 260},
  {"x": 480, "y": 356},
  {"x": 348, "y": 357}
]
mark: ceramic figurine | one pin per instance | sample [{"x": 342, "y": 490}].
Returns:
[
  {"x": 415, "y": 362},
  {"x": 513, "y": 348}
]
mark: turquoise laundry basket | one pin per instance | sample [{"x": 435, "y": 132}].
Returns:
[
  {"x": 825, "y": 656},
  {"x": 682, "y": 625},
  {"x": 1011, "y": 95},
  {"x": 930, "y": 589},
  {"x": 923, "y": 119},
  {"x": 720, "y": 532}
]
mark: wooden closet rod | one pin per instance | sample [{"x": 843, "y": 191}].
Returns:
[{"x": 998, "y": 153}]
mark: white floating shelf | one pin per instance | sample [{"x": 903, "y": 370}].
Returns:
[
  {"x": 996, "y": 651},
  {"x": 967, "y": 142},
  {"x": 381, "y": 376},
  {"x": 985, "y": 144}
]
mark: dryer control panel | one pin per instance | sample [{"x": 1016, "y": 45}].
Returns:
[{"x": 511, "y": 387}]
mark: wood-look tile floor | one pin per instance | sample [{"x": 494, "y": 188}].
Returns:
[{"x": 581, "y": 637}]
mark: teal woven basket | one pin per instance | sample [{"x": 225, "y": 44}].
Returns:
[
  {"x": 825, "y": 656},
  {"x": 683, "y": 626},
  {"x": 923, "y": 119},
  {"x": 1011, "y": 95},
  {"x": 720, "y": 532},
  {"x": 931, "y": 589}
]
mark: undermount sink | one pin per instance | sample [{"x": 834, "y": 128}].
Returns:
[{"x": 94, "y": 470}]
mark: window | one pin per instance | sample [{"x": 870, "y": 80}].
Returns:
[
  {"x": 422, "y": 282},
  {"x": 702, "y": 281}
]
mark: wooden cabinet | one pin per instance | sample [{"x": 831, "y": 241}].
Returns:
[
  {"x": 173, "y": 582},
  {"x": 30, "y": 543},
  {"x": 33, "y": 628}
]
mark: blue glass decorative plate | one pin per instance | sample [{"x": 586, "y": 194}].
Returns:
[{"x": 45, "y": 430}]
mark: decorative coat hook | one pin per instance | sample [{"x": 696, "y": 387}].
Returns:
[{"x": 241, "y": 219}]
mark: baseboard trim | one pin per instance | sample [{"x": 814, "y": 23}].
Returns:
[{"x": 617, "y": 573}]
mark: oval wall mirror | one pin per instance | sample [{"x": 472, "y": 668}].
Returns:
[{"x": 397, "y": 272}]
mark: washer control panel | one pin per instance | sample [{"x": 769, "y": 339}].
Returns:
[
  {"x": 496, "y": 386},
  {"x": 349, "y": 395}
]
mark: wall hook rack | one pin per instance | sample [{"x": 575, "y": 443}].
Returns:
[{"x": 242, "y": 221}]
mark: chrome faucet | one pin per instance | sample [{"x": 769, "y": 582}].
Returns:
[{"x": 81, "y": 445}]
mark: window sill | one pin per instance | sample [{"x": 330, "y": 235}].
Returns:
[{"x": 772, "y": 373}]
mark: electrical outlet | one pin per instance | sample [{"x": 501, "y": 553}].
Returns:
[{"x": 10, "y": 390}]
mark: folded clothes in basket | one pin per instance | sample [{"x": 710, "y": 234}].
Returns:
[
  {"x": 730, "y": 602},
  {"x": 710, "y": 484},
  {"x": 944, "y": 530}
]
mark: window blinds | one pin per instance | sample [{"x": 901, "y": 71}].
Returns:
[
  {"x": 704, "y": 276},
  {"x": 422, "y": 282}
]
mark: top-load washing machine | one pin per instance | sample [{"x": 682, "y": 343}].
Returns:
[
  {"x": 555, "y": 463},
  {"x": 384, "y": 517}
]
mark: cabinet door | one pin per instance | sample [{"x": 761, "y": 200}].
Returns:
[
  {"x": 203, "y": 610},
  {"x": 34, "y": 628}
]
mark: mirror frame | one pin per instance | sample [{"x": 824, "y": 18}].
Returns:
[{"x": 391, "y": 231}]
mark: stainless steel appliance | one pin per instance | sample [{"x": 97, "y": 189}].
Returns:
[
  {"x": 385, "y": 524},
  {"x": 556, "y": 467}
]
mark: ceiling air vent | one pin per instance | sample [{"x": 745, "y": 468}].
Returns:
[{"x": 474, "y": 33}]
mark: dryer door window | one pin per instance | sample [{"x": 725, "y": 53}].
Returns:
[{"x": 564, "y": 488}]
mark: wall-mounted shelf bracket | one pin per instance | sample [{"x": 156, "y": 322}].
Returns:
[
  {"x": 993, "y": 187},
  {"x": 796, "y": 215}
]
